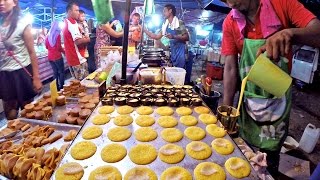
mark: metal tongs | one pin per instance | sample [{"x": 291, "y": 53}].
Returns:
[{"x": 16, "y": 135}]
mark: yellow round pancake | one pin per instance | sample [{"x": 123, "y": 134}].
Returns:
[
  {"x": 171, "y": 153},
  {"x": 202, "y": 110},
  {"x": 106, "y": 109},
  {"x": 237, "y": 167},
  {"x": 119, "y": 134},
  {"x": 145, "y": 134},
  {"x": 208, "y": 118},
  {"x": 215, "y": 131},
  {"x": 145, "y": 120},
  {"x": 92, "y": 132},
  {"x": 125, "y": 109},
  {"x": 188, "y": 120},
  {"x": 123, "y": 120},
  {"x": 105, "y": 172},
  {"x": 176, "y": 172},
  {"x": 83, "y": 150},
  {"x": 184, "y": 111},
  {"x": 70, "y": 171},
  {"x": 198, "y": 150},
  {"x": 143, "y": 154},
  {"x": 209, "y": 170},
  {"x": 171, "y": 135},
  {"x": 113, "y": 153},
  {"x": 194, "y": 133},
  {"x": 222, "y": 146},
  {"x": 167, "y": 121},
  {"x": 140, "y": 173},
  {"x": 144, "y": 110},
  {"x": 101, "y": 119},
  {"x": 165, "y": 111}
]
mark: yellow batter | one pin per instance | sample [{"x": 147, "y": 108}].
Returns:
[
  {"x": 165, "y": 111},
  {"x": 119, "y": 134},
  {"x": 140, "y": 173},
  {"x": 70, "y": 171},
  {"x": 171, "y": 153},
  {"x": 237, "y": 167},
  {"x": 113, "y": 153},
  {"x": 184, "y": 111},
  {"x": 194, "y": 133},
  {"x": 176, "y": 172},
  {"x": 143, "y": 154},
  {"x": 106, "y": 109},
  {"x": 144, "y": 110},
  {"x": 171, "y": 135},
  {"x": 125, "y": 109},
  {"x": 145, "y": 120},
  {"x": 91, "y": 132},
  {"x": 215, "y": 131},
  {"x": 101, "y": 119},
  {"x": 202, "y": 110},
  {"x": 198, "y": 150},
  {"x": 209, "y": 170},
  {"x": 208, "y": 118},
  {"x": 145, "y": 134},
  {"x": 167, "y": 121},
  {"x": 105, "y": 172},
  {"x": 123, "y": 120},
  {"x": 243, "y": 86},
  {"x": 83, "y": 150},
  {"x": 188, "y": 120},
  {"x": 222, "y": 146}
]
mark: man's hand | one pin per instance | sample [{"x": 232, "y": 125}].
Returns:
[
  {"x": 37, "y": 85},
  {"x": 277, "y": 45},
  {"x": 170, "y": 36}
]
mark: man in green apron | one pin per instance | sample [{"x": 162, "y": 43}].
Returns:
[
  {"x": 175, "y": 30},
  {"x": 252, "y": 27}
]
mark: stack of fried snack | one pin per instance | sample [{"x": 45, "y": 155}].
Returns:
[
  {"x": 41, "y": 109},
  {"x": 74, "y": 116},
  {"x": 73, "y": 89},
  {"x": 29, "y": 160}
]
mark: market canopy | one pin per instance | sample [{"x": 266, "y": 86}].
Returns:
[{"x": 191, "y": 11}]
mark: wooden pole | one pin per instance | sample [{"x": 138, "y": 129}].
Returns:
[{"x": 123, "y": 79}]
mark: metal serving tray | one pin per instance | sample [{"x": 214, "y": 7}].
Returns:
[{"x": 157, "y": 166}]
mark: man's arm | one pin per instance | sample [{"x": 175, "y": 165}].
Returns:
[
  {"x": 230, "y": 79},
  {"x": 83, "y": 40},
  {"x": 153, "y": 35},
  {"x": 280, "y": 43}
]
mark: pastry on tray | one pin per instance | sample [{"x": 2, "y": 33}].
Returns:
[
  {"x": 105, "y": 172},
  {"x": 171, "y": 135},
  {"x": 198, "y": 150},
  {"x": 113, "y": 153},
  {"x": 140, "y": 172},
  {"x": 119, "y": 134},
  {"x": 195, "y": 133},
  {"x": 176, "y": 172},
  {"x": 209, "y": 170},
  {"x": 171, "y": 153},
  {"x": 83, "y": 150},
  {"x": 145, "y": 134},
  {"x": 143, "y": 154}
]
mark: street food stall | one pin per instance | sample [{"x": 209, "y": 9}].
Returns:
[{"x": 154, "y": 128}]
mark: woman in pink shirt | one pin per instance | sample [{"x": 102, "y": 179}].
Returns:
[{"x": 53, "y": 44}]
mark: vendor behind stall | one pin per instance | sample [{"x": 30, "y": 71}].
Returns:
[
  {"x": 175, "y": 30},
  {"x": 104, "y": 32},
  {"x": 254, "y": 26},
  {"x": 135, "y": 30}
]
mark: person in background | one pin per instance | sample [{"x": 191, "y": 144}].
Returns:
[
  {"x": 53, "y": 44},
  {"x": 135, "y": 30},
  {"x": 252, "y": 27},
  {"x": 72, "y": 39},
  {"x": 84, "y": 30},
  {"x": 91, "y": 59},
  {"x": 103, "y": 33},
  {"x": 175, "y": 30},
  {"x": 42, "y": 36},
  {"x": 19, "y": 72}
]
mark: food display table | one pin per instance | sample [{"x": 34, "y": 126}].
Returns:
[{"x": 121, "y": 96}]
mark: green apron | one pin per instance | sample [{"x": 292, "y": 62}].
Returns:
[{"x": 264, "y": 120}]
